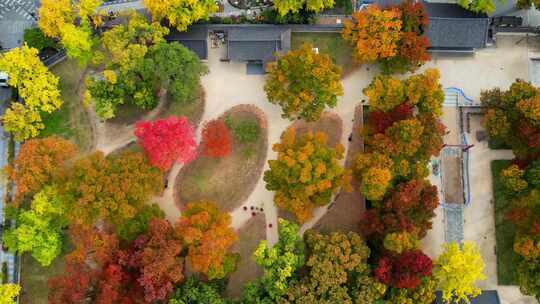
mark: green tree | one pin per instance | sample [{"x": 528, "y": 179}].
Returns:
[
  {"x": 479, "y": 6},
  {"x": 306, "y": 173},
  {"x": 39, "y": 229},
  {"x": 35, "y": 38},
  {"x": 279, "y": 262},
  {"x": 303, "y": 83},
  {"x": 177, "y": 69},
  {"x": 196, "y": 291},
  {"x": 457, "y": 269}
]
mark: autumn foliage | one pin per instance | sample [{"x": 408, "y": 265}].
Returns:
[
  {"x": 394, "y": 36},
  {"x": 167, "y": 141},
  {"x": 38, "y": 162},
  {"x": 208, "y": 235},
  {"x": 306, "y": 173},
  {"x": 303, "y": 83},
  {"x": 404, "y": 270},
  {"x": 216, "y": 139}
]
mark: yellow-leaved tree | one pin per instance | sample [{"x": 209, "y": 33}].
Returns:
[
  {"x": 457, "y": 269},
  {"x": 181, "y": 13},
  {"x": 294, "y": 6},
  {"x": 57, "y": 20},
  {"x": 36, "y": 86},
  {"x": 8, "y": 292}
]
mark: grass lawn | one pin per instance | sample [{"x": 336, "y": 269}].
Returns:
[
  {"x": 192, "y": 110},
  {"x": 71, "y": 121},
  {"x": 34, "y": 279},
  {"x": 328, "y": 43},
  {"x": 504, "y": 230},
  {"x": 229, "y": 180},
  {"x": 247, "y": 270}
]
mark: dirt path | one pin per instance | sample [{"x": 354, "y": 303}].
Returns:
[{"x": 113, "y": 136}]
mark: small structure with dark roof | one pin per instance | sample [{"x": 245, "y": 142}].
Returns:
[
  {"x": 453, "y": 28},
  {"x": 257, "y": 43},
  {"x": 486, "y": 297},
  {"x": 195, "y": 39}
]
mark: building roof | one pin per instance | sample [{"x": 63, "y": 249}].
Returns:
[
  {"x": 195, "y": 39},
  {"x": 257, "y": 43},
  {"x": 486, "y": 297},
  {"x": 453, "y": 27}
]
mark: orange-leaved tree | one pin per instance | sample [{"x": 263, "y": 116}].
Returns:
[
  {"x": 374, "y": 33},
  {"x": 208, "y": 234},
  {"x": 112, "y": 188},
  {"x": 39, "y": 161},
  {"x": 216, "y": 139},
  {"x": 303, "y": 83}
]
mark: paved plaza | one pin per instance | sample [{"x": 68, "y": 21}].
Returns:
[{"x": 15, "y": 17}]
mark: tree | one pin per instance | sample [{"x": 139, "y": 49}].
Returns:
[
  {"x": 216, "y": 139},
  {"x": 35, "y": 84},
  {"x": 457, "y": 269},
  {"x": 399, "y": 242},
  {"x": 57, "y": 19},
  {"x": 35, "y": 38},
  {"x": 8, "y": 292},
  {"x": 113, "y": 188},
  {"x": 132, "y": 228},
  {"x": 478, "y": 6},
  {"x": 39, "y": 229},
  {"x": 38, "y": 162},
  {"x": 131, "y": 75},
  {"x": 512, "y": 180},
  {"x": 72, "y": 286},
  {"x": 306, "y": 173},
  {"x": 208, "y": 235},
  {"x": 156, "y": 257},
  {"x": 338, "y": 271},
  {"x": 280, "y": 263},
  {"x": 167, "y": 140},
  {"x": 408, "y": 208},
  {"x": 510, "y": 118},
  {"x": 197, "y": 291},
  {"x": 405, "y": 270},
  {"x": 303, "y": 83},
  {"x": 374, "y": 33},
  {"x": 178, "y": 69},
  {"x": 181, "y": 13},
  {"x": 285, "y": 7}
]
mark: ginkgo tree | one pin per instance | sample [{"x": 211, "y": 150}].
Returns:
[
  {"x": 71, "y": 22},
  {"x": 457, "y": 270},
  {"x": 294, "y": 6},
  {"x": 8, "y": 292},
  {"x": 181, "y": 13},
  {"x": 36, "y": 86}
]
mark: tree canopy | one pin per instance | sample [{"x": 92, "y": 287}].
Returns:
[
  {"x": 303, "y": 83},
  {"x": 36, "y": 86},
  {"x": 285, "y": 7},
  {"x": 306, "y": 173},
  {"x": 181, "y": 13}
]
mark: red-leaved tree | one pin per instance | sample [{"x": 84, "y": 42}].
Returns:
[
  {"x": 155, "y": 259},
  {"x": 403, "y": 270},
  {"x": 216, "y": 138},
  {"x": 73, "y": 286},
  {"x": 167, "y": 140}
]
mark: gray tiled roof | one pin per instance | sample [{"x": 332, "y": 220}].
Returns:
[
  {"x": 255, "y": 34},
  {"x": 252, "y": 50},
  {"x": 451, "y": 26},
  {"x": 486, "y": 297},
  {"x": 195, "y": 39}
]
